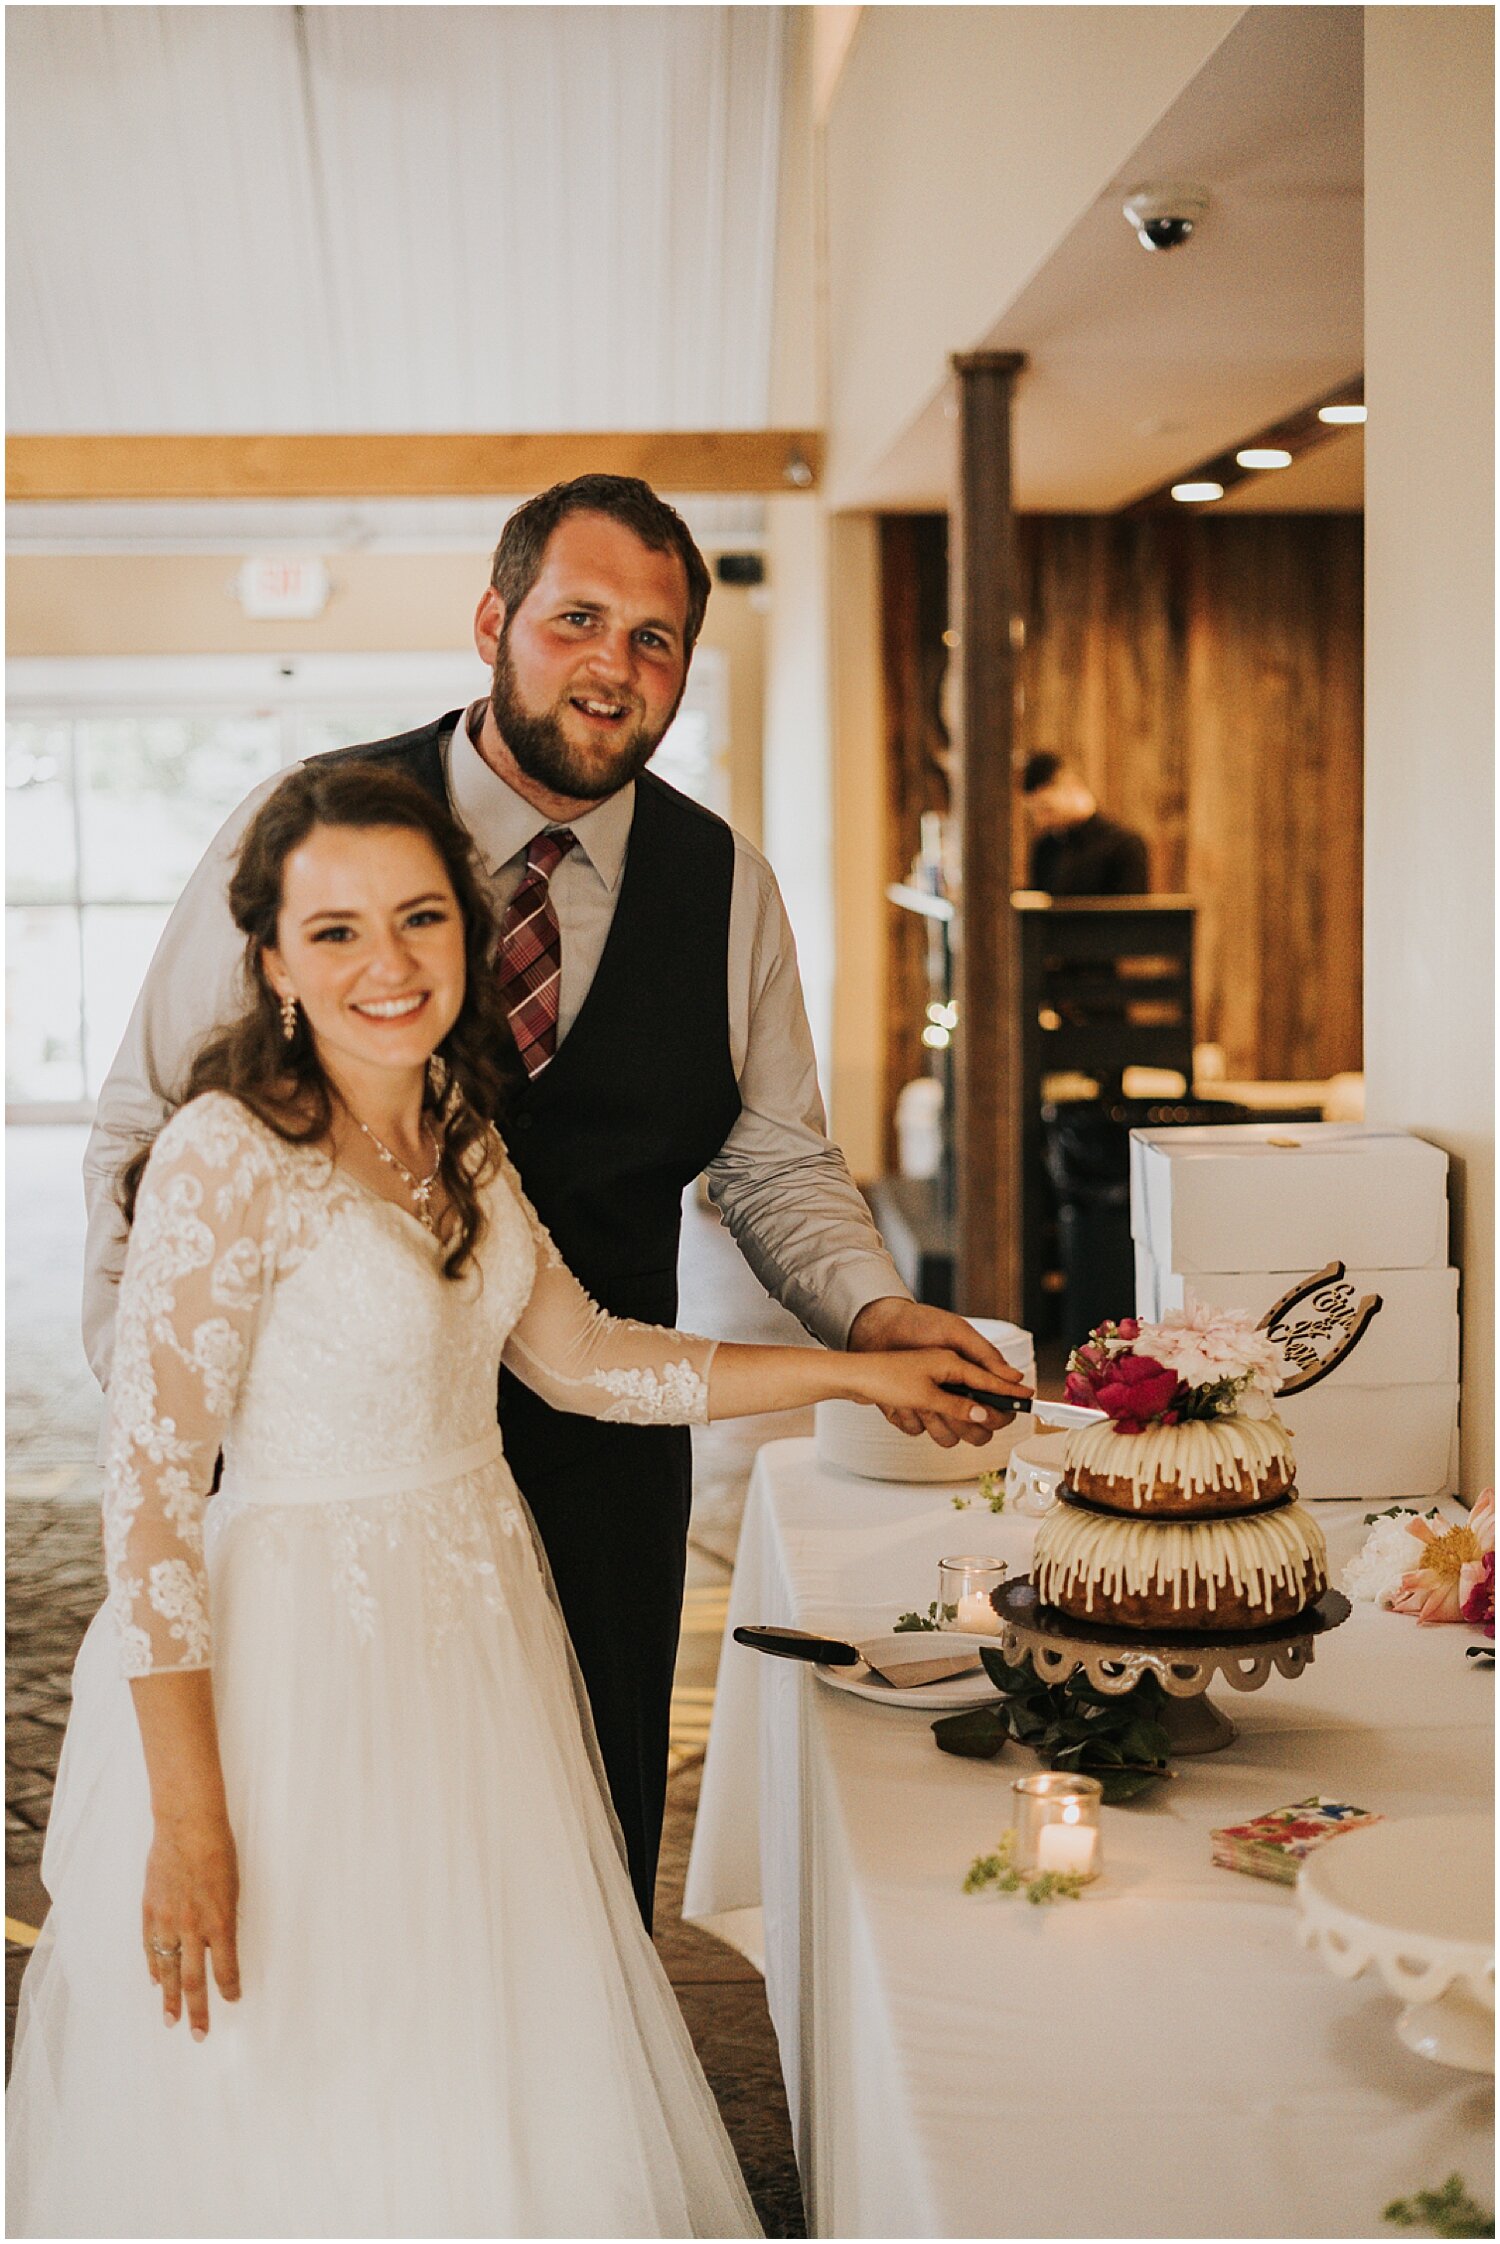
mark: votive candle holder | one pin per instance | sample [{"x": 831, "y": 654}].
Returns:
[
  {"x": 964, "y": 1586},
  {"x": 1055, "y": 1817}
]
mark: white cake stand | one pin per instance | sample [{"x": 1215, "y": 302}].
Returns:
[{"x": 1417, "y": 1900}]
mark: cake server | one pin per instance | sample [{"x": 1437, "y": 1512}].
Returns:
[{"x": 831, "y": 1651}]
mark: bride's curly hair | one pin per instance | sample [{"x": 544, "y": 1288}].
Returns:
[{"x": 283, "y": 1082}]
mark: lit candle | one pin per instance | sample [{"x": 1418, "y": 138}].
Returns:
[
  {"x": 977, "y": 1614},
  {"x": 1069, "y": 1845}
]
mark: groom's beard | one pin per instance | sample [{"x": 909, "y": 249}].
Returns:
[{"x": 545, "y": 754}]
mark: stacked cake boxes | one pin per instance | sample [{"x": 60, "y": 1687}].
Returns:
[{"x": 1240, "y": 1215}]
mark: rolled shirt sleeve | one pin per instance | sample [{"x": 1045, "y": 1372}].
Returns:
[{"x": 783, "y": 1188}]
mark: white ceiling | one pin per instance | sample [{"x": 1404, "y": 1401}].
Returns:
[
  {"x": 1141, "y": 364},
  {"x": 275, "y": 218},
  {"x": 262, "y": 217}
]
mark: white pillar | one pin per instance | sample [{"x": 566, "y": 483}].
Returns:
[{"x": 1429, "y": 527}]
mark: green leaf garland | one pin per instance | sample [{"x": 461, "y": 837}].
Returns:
[{"x": 1072, "y": 1725}]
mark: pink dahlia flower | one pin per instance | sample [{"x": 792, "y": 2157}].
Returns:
[
  {"x": 1435, "y": 1589},
  {"x": 1205, "y": 1345}
]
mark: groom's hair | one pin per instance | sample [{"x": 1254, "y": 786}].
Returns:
[{"x": 625, "y": 499}]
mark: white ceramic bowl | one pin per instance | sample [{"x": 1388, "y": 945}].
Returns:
[{"x": 857, "y": 1439}]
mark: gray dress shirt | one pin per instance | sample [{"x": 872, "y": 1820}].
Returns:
[{"x": 783, "y": 1189}]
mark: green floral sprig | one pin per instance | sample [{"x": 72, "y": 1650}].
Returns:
[
  {"x": 997, "y": 1873},
  {"x": 1449, "y": 2211},
  {"x": 909, "y": 1621},
  {"x": 991, "y": 1491},
  {"x": 1120, "y": 1740}
]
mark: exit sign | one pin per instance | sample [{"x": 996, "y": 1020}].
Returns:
[{"x": 270, "y": 590}]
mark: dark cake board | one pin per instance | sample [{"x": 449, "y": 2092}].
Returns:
[{"x": 1193, "y": 1722}]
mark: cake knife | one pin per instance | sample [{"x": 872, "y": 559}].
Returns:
[{"x": 1070, "y": 1415}]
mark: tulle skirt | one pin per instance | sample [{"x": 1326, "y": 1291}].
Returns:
[{"x": 453, "y": 2022}]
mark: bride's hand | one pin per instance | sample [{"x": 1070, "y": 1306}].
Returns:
[
  {"x": 189, "y": 1912},
  {"x": 918, "y": 1380}
]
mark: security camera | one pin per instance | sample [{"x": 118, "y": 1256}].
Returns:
[{"x": 1164, "y": 217}]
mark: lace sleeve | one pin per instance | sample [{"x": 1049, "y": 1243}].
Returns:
[
  {"x": 579, "y": 1358},
  {"x": 195, "y": 1270}
]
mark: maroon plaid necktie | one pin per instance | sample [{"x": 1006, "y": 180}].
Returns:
[{"x": 531, "y": 952}]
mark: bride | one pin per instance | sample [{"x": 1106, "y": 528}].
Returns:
[{"x": 387, "y": 1976}]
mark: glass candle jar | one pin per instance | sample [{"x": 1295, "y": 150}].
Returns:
[
  {"x": 1055, "y": 1816},
  {"x": 964, "y": 1586}
]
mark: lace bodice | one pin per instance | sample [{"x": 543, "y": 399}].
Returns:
[{"x": 273, "y": 1307}]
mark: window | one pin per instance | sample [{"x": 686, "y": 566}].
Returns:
[{"x": 118, "y": 776}]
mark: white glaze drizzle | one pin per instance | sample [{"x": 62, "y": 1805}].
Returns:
[
  {"x": 1194, "y": 1561},
  {"x": 1206, "y": 1453}
]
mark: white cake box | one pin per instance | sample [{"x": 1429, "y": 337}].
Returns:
[
  {"x": 1411, "y": 1341},
  {"x": 1383, "y": 1445},
  {"x": 1272, "y": 1196},
  {"x": 1240, "y": 1215},
  {"x": 1380, "y": 1426}
]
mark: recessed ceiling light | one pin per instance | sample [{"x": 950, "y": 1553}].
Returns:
[
  {"x": 1191, "y": 493},
  {"x": 1263, "y": 456},
  {"x": 1340, "y": 415}
]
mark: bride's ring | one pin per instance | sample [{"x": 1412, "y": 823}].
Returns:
[{"x": 166, "y": 1955}]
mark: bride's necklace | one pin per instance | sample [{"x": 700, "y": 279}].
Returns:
[{"x": 420, "y": 1188}]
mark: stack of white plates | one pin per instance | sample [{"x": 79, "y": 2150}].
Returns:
[{"x": 857, "y": 1439}]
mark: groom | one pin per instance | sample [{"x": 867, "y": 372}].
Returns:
[{"x": 646, "y": 962}]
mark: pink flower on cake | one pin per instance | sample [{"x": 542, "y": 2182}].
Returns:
[
  {"x": 1435, "y": 1589},
  {"x": 1206, "y": 1345}
]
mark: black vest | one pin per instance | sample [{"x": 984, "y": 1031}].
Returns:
[{"x": 642, "y": 1092}]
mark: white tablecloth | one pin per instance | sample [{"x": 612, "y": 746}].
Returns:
[{"x": 1159, "y": 2059}]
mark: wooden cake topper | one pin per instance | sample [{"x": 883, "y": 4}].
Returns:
[{"x": 1331, "y": 1313}]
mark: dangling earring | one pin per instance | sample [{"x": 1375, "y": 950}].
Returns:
[{"x": 288, "y": 1019}]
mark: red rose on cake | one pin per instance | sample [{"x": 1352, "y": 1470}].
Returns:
[{"x": 1137, "y": 1389}]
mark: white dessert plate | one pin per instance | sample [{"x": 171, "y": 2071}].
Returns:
[{"x": 951, "y": 1697}]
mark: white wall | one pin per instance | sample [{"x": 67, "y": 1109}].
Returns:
[
  {"x": 962, "y": 145},
  {"x": 1429, "y": 481}
]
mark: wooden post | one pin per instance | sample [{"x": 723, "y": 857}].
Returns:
[{"x": 984, "y": 596}]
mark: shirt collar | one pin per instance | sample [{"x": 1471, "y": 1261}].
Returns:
[{"x": 503, "y": 823}]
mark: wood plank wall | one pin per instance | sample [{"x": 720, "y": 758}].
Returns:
[{"x": 1205, "y": 674}]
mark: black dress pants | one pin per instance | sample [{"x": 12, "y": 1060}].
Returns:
[{"x": 611, "y": 1504}]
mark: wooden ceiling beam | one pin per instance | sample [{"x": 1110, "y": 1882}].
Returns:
[{"x": 425, "y": 466}]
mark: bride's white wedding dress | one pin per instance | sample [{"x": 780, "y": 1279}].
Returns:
[{"x": 453, "y": 2023}]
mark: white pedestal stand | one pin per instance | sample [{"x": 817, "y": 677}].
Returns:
[{"x": 1416, "y": 1899}]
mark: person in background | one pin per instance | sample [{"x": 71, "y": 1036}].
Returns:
[{"x": 1076, "y": 850}]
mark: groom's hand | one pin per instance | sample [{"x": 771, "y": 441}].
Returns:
[{"x": 894, "y": 1322}]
